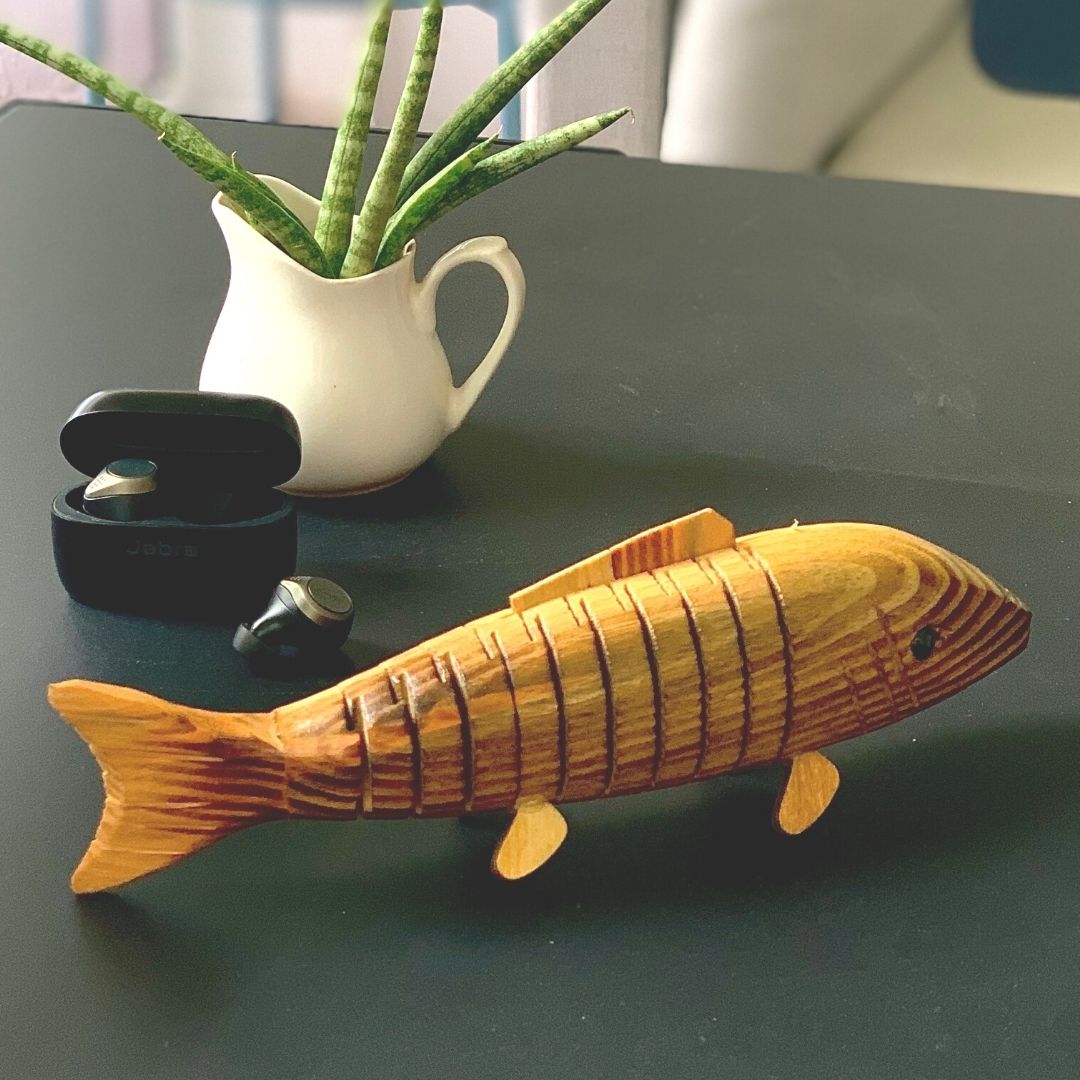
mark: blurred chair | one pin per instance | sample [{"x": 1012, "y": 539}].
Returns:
[
  {"x": 780, "y": 84},
  {"x": 949, "y": 123},
  {"x": 268, "y": 45},
  {"x": 860, "y": 88}
]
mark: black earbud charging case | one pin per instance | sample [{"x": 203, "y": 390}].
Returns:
[{"x": 206, "y": 447}]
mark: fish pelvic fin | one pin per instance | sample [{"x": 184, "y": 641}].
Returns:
[{"x": 176, "y": 778}]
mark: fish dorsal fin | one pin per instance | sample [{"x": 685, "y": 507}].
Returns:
[{"x": 685, "y": 538}]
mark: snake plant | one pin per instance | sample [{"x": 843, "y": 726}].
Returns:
[{"x": 408, "y": 192}]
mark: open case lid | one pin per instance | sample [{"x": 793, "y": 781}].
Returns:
[{"x": 226, "y": 442}]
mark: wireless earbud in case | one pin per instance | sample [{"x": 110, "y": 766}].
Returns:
[{"x": 220, "y": 536}]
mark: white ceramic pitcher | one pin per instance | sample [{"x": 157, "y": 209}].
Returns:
[{"x": 357, "y": 361}]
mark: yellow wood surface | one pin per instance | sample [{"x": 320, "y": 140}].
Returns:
[
  {"x": 535, "y": 834},
  {"x": 811, "y": 784}
]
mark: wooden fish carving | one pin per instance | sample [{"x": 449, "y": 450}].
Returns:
[{"x": 678, "y": 655}]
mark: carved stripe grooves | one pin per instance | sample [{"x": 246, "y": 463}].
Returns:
[
  {"x": 695, "y": 637},
  {"x": 367, "y": 796},
  {"x": 349, "y": 713},
  {"x": 396, "y": 682},
  {"x": 573, "y": 614},
  {"x": 483, "y": 644},
  {"x": 560, "y": 706},
  {"x": 740, "y": 640},
  {"x": 609, "y": 699},
  {"x": 649, "y": 638},
  {"x": 497, "y": 642},
  {"x": 460, "y": 701},
  {"x": 785, "y": 642}
]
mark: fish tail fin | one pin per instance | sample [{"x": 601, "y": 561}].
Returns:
[{"x": 176, "y": 779}]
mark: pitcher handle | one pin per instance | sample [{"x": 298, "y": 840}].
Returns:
[{"x": 493, "y": 251}]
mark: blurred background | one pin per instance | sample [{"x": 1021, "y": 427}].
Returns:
[{"x": 887, "y": 89}]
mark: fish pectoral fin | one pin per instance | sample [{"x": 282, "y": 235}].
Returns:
[
  {"x": 685, "y": 538},
  {"x": 535, "y": 834},
  {"x": 810, "y": 787}
]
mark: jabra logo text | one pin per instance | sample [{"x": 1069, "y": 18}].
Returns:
[{"x": 159, "y": 549}]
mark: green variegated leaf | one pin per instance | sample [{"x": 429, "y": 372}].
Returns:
[
  {"x": 424, "y": 206},
  {"x": 472, "y": 175},
  {"x": 259, "y": 207},
  {"x": 494, "y": 94},
  {"x": 379, "y": 204},
  {"x": 334, "y": 227}
]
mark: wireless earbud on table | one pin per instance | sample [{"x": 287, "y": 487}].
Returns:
[{"x": 306, "y": 617}]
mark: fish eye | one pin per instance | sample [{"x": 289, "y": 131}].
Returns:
[{"x": 924, "y": 643}]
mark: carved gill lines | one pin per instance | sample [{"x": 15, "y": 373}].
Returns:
[
  {"x": 878, "y": 665},
  {"x": 856, "y": 698},
  {"x": 898, "y": 662}
]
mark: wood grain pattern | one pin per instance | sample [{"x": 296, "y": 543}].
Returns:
[{"x": 678, "y": 655}]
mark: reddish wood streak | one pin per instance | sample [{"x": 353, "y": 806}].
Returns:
[
  {"x": 956, "y": 588},
  {"x": 1008, "y": 634},
  {"x": 236, "y": 789},
  {"x": 313, "y": 790},
  {"x": 988, "y": 608}
]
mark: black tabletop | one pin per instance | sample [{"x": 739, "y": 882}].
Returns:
[{"x": 778, "y": 347}]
